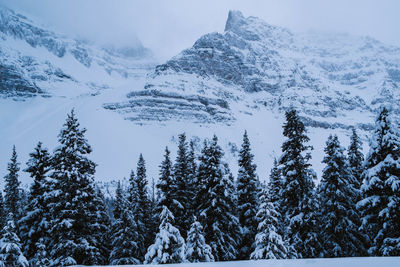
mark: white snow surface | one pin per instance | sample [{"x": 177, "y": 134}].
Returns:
[{"x": 342, "y": 262}]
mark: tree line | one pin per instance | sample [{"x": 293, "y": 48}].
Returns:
[{"x": 198, "y": 211}]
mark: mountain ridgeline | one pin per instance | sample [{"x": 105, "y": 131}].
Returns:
[{"x": 255, "y": 66}]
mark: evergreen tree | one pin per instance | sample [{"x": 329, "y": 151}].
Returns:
[
  {"x": 247, "y": 190},
  {"x": 10, "y": 248},
  {"x": 34, "y": 225},
  {"x": 380, "y": 205},
  {"x": 124, "y": 233},
  {"x": 340, "y": 234},
  {"x": 182, "y": 192},
  {"x": 299, "y": 204},
  {"x": 139, "y": 200},
  {"x": 217, "y": 204},
  {"x": 169, "y": 246},
  {"x": 12, "y": 195},
  {"x": 356, "y": 158},
  {"x": 269, "y": 244},
  {"x": 275, "y": 184},
  {"x": 165, "y": 183},
  {"x": 72, "y": 201},
  {"x": 196, "y": 248}
]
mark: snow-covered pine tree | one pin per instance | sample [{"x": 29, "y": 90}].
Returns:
[
  {"x": 34, "y": 225},
  {"x": 275, "y": 184},
  {"x": 10, "y": 248},
  {"x": 124, "y": 233},
  {"x": 182, "y": 193},
  {"x": 169, "y": 246},
  {"x": 339, "y": 230},
  {"x": 380, "y": 206},
  {"x": 140, "y": 206},
  {"x": 71, "y": 202},
  {"x": 197, "y": 249},
  {"x": 216, "y": 200},
  {"x": 269, "y": 243},
  {"x": 12, "y": 195},
  {"x": 165, "y": 183},
  {"x": 356, "y": 158},
  {"x": 298, "y": 201},
  {"x": 247, "y": 192}
]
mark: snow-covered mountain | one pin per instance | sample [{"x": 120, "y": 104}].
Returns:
[
  {"x": 334, "y": 80},
  {"x": 37, "y": 61},
  {"x": 243, "y": 78}
]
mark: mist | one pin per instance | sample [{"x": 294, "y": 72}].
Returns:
[{"x": 167, "y": 27}]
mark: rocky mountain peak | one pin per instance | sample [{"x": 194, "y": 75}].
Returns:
[{"x": 235, "y": 20}]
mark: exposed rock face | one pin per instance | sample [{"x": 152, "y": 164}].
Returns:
[{"x": 259, "y": 66}]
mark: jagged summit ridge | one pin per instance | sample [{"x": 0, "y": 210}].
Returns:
[{"x": 259, "y": 66}]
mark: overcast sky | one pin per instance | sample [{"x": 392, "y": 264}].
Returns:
[{"x": 168, "y": 26}]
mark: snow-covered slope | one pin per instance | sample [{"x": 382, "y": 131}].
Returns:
[
  {"x": 342, "y": 262},
  {"x": 243, "y": 78},
  {"x": 36, "y": 61}
]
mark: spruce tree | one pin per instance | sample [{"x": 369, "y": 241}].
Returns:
[
  {"x": 34, "y": 225},
  {"x": 380, "y": 206},
  {"x": 340, "y": 234},
  {"x": 12, "y": 195},
  {"x": 165, "y": 183},
  {"x": 247, "y": 191},
  {"x": 216, "y": 199},
  {"x": 182, "y": 192},
  {"x": 356, "y": 158},
  {"x": 298, "y": 200},
  {"x": 72, "y": 200},
  {"x": 269, "y": 243},
  {"x": 10, "y": 248},
  {"x": 169, "y": 246},
  {"x": 197, "y": 249},
  {"x": 124, "y": 233},
  {"x": 140, "y": 206}
]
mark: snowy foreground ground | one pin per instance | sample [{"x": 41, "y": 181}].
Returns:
[{"x": 342, "y": 262}]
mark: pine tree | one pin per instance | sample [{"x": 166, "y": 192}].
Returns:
[
  {"x": 340, "y": 234},
  {"x": 12, "y": 195},
  {"x": 196, "y": 248},
  {"x": 139, "y": 200},
  {"x": 169, "y": 246},
  {"x": 356, "y": 158},
  {"x": 380, "y": 206},
  {"x": 275, "y": 184},
  {"x": 247, "y": 190},
  {"x": 34, "y": 225},
  {"x": 165, "y": 183},
  {"x": 72, "y": 201},
  {"x": 10, "y": 248},
  {"x": 124, "y": 233},
  {"x": 299, "y": 204},
  {"x": 216, "y": 201},
  {"x": 269, "y": 243},
  {"x": 182, "y": 192}
]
